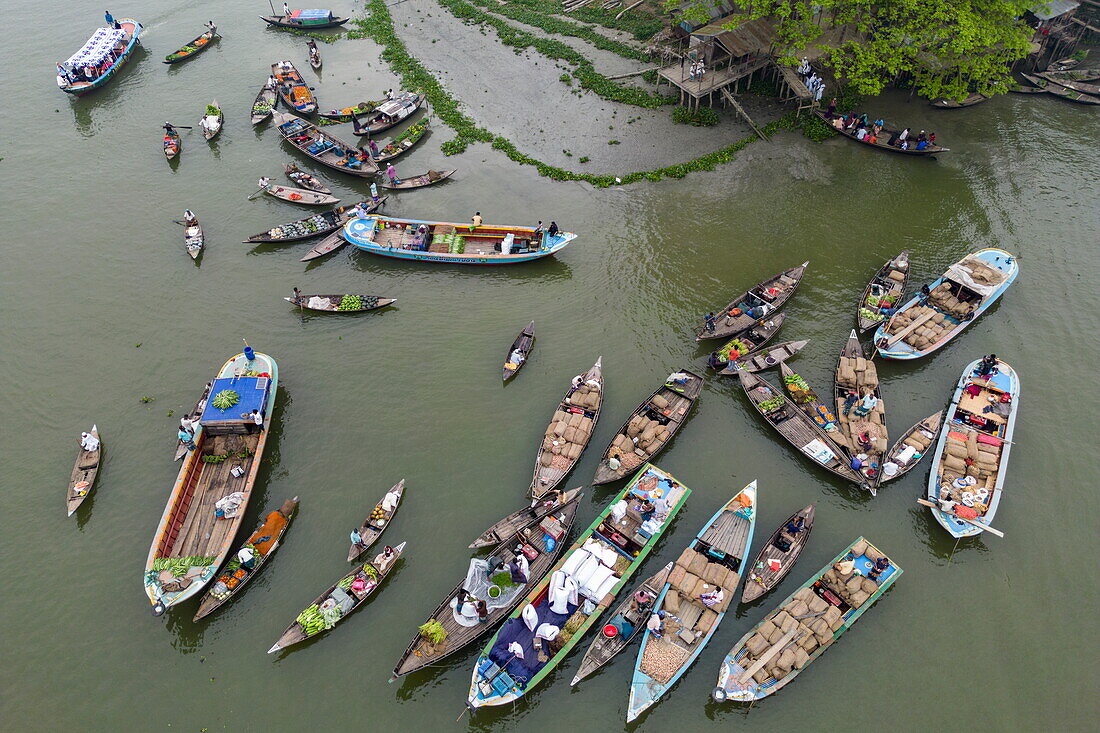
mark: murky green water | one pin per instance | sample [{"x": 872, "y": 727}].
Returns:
[{"x": 989, "y": 635}]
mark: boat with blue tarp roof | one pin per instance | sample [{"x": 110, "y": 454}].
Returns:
[
  {"x": 99, "y": 58},
  {"x": 306, "y": 19},
  {"x": 557, "y": 613}
]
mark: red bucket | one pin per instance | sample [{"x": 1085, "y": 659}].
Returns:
[{"x": 611, "y": 631}]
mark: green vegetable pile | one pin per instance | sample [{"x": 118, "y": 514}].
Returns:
[
  {"x": 737, "y": 345},
  {"x": 455, "y": 243},
  {"x": 213, "y": 111},
  {"x": 351, "y": 303},
  {"x": 773, "y": 404},
  {"x": 345, "y": 583},
  {"x": 369, "y": 571},
  {"x": 411, "y": 135},
  {"x": 799, "y": 389},
  {"x": 870, "y": 315},
  {"x": 178, "y": 566},
  {"x": 223, "y": 457},
  {"x": 503, "y": 579},
  {"x": 225, "y": 399},
  {"x": 311, "y": 620},
  {"x": 261, "y": 108},
  {"x": 433, "y": 631}
]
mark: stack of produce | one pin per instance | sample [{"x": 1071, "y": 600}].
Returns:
[
  {"x": 350, "y": 303},
  {"x": 302, "y": 227},
  {"x": 799, "y": 389},
  {"x": 312, "y": 622},
  {"x": 771, "y": 404},
  {"x": 569, "y": 431},
  {"x": 643, "y": 437},
  {"x": 735, "y": 346},
  {"x": 178, "y": 566},
  {"x": 406, "y": 139},
  {"x": 448, "y": 242},
  {"x": 225, "y": 399},
  {"x": 262, "y": 107},
  {"x": 970, "y": 454},
  {"x": 377, "y": 515}
]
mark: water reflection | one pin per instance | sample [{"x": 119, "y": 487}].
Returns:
[{"x": 939, "y": 543}]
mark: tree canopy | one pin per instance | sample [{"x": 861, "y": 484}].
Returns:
[{"x": 950, "y": 47}]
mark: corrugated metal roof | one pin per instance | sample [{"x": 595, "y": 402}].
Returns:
[{"x": 1053, "y": 8}]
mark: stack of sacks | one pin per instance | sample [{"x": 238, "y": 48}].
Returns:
[
  {"x": 944, "y": 299},
  {"x": 919, "y": 441},
  {"x": 565, "y": 438},
  {"x": 854, "y": 588},
  {"x": 811, "y": 632},
  {"x": 692, "y": 576},
  {"x": 928, "y": 333},
  {"x": 973, "y": 455},
  {"x": 897, "y": 276},
  {"x": 644, "y": 436},
  {"x": 588, "y": 396},
  {"x": 855, "y": 371},
  {"x": 592, "y": 568}
]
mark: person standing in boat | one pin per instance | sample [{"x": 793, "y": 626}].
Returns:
[
  {"x": 187, "y": 438},
  {"x": 391, "y": 173},
  {"x": 286, "y": 11},
  {"x": 255, "y": 421},
  {"x": 372, "y": 146},
  {"x": 168, "y": 129}
]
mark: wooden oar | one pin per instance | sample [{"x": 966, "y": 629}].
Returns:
[
  {"x": 180, "y": 127},
  {"x": 262, "y": 189},
  {"x": 979, "y": 525}
]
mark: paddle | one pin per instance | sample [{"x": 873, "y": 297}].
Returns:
[
  {"x": 979, "y": 525},
  {"x": 262, "y": 189},
  {"x": 181, "y": 127}
]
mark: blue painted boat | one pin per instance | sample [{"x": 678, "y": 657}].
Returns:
[
  {"x": 805, "y": 624},
  {"x": 953, "y": 302},
  {"x": 450, "y": 242},
  {"x": 702, "y": 585},
  {"x": 579, "y": 588},
  {"x": 972, "y": 450},
  {"x": 104, "y": 53}
]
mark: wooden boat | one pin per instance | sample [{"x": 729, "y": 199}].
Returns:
[
  {"x": 1085, "y": 75},
  {"x": 309, "y": 20},
  {"x": 799, "y": 430},
  {"x": 522, "y": 346},
  {"x": 341, "y": 303},
  {"x": 193, "y": 239},
  {"x": 569, "y": 432},
  {"x": 972, "y": 99},
  {"x": 389, "y": 113},
  {"x": 765, "y": 358},
  {"x": 211, "y": 123},
  {"x": 305, "y": 180},
  {"x": 324, "y": 148},
  {"x": 192, "y": 48},
  {"x": 181, "y": 447},
  {"x": 300, "y": 195},
  {"x": 1064, "y": 64},
  {"x": 314, "y": 54},
  {"x": 855, "y": 378},
  {"x": 313, "y": 226},
  {"x": 293, "y": 89},
  {"x": 605, "y": 556},
  {"x": 522, "y": 517},
  {"x": 626, "y": 622},
  {"x": 82, "y": 481},
  {"x": 1024, "y": 89},
  {"x": 452, "y": 242},
  {"x": 542, "y": 541},
  {"x": 100, "y": 58},
  {"x": 263, "y": 543},
  {"x": 778, "y": 555},
  {"x": 804, "y": 625},
  {"x": 172, "y": 144},
  {"x": 335, "y": 241},
  {"x": 807, "y": 399},
  {"x": 913, "y": 445},
  {"x": 377, "y": 521},
  {"x": 971, "y": 455},
  {"x": 746, "y": 343},
  {"x": 343, "y": 597},
  {"x": 883, "y": 138},
  {"x": 191, "y": 542},
  {"x": 650, "y": 428},
  {"x": 743, "y": 312},
  {"x": 403, "y": 143},
  {"x": 700, "y": 588},
  {"x": 1072, "y": 95},
  {"x": 1038, "y": 81},
  {"x": 884, "y": 292},
  {"x": 955, "y": 300},
  {"x": 418, "y": 181},
  {"x": 264, "y": 105},
  {"x": 347, "y": 114},
  {"x": 1076, "y": 85}
]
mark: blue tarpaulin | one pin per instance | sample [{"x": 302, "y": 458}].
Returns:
[
  {"x": 253, "y": 393},
  {"x": 312, "y": 14}
]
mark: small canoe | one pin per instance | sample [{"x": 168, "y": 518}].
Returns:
[
  {"x": 854, "y": 379},
  {"x": 324, "y": 19},
  {"x": 192, "y": 48},
  {"x": 341, "y": 303},
  {"x": 746, "y": 310},
  {"x": 341, "y": 598},
  {"x": 305, "y": 180},
  {"x": 695, "y": 597},
  {"x": 955, "y": 300},
  {"x": 521, "y": 518},
  {"x": 778, "y": 555},
  {"x": 293, "y": 89},
  {"x": 403, "y": 143},
  {"x": 970, "y": 101},
  {"x": 82, "y": 481},
  {"x": 626, "y": 622},
  {"x": 377, "y": 521},
  {"x": 300, "y": 195},
  {"x": 347, "y": 114},
  {"x": 211, "y": 122},
  {"x": 389, "y": 113},
  {"x": 335, "y": 241},
  {"x": 884, "y": 292},
  {"x": 1072, "y": 95},
  {"x": 882, "y": 141},
  {"x": 263, "y": 543},
  {"x": 518, "y": 352},
  {"x": 805, "y": 624},
  {"x": 420, "y": 181},
  {"x": 311, "y": 226},
  {"x": 324, "y": 148},
  {"x": 264, "y": 105},
  {"x": 1024, "y": 89},
  {"x": 314, "y": 54},
  {"x": 650, "y": 428},
  {"x": 1038, "y": 81},
  {"x": 971, "y": 456},
  {"x": 1064, "y": 64},
  {"x": 539, "y": 543},
  {"x": 1078, "y": 86},
  {"x": 193, "y": 239},
  {"x": 1085, "y": 75},
  {"x": 766, "y": 358},
  {"x": 181, "y": 447},
  {"x": 911, "y": 447},
  {"x": 569, "y": 432},
  {"x": 748, "y": 342},
  {"x": 172, "y": 144}
]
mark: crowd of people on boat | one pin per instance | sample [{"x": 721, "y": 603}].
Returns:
[
  {"x": 860, "y": 127},
  {"x": 89, "y": 73}
]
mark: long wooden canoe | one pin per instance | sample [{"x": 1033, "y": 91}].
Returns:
[
  {"x": 1061, "y": 89},
  {"x": 347, "y": 114},
  {"x": 781, "y": 549},
  {"x": 883, "y": 139},
  {"x": 522, "y": 517},
  {"x": 1078, "y": 86},
  {"x": 263, "y": 543},
  {"x": 418, "y": 181},
  {"x": 736, "y": 317},
  {"x": 1064, "y": 64},
  {"x": 809, "y": 401},
  {"x": 766, "y": 358},
  {"x": 970, "y": 101},
  {"x": 660, "y": 416},
  {"x": 193, "y": 238},
  {"x": 82, "y": 480},
  {"x": 314, "y": 54},
  {"x": 311, "y": 226},
  {"x": 403, "y": 143},
  {"x": 856, "y": 376},
  {"x": 289, "y": 21},
  {"x": 376, "y": 522},
  {"x": 462, "y": 630},
  {"x": 300, "y": 195},
  {"x": 747, "y": 343},
  {"x": 345, "y": 598},
  {"x": 264, "y": 104},
  {"x": 884, "y": 292},
  {"x": 192, "y": 48},
  {"x": 913, "y": 445},
  {"x": 292, "y": 88},
  {"x": 172, "y": 144},
  {"x": 338, "y": 303},
  {"x": 523, "y": 345},
  {"x": 324, "y": 148},
  {"x": 627, "y": 620},
  {"x": 569, "y": 432},
  {"x": 211, "y": 124}
]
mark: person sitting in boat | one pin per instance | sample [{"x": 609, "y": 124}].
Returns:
[
  {"x": 168, "y": 129},
  {"x": 553, "y": 230},
  {"x": 647, "y": 510},
  {"x": 89, "y": 442},
  {"x": 795, "y": 526},
  {"x": 385, "y": 557},
  {"x": 516, "y": 357},
  {"x": 922, "y": 144},
  {"x": 878, "y": 568},
  {"x": 519, "y": 569},
  {"x": 246, "y": 556},
  {"x": 987, "y": 366},
  {"x": 713, "y": 598},
  {"x": 709, "y": 320}
]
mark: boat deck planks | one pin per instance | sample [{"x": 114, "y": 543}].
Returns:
[{"x": 201, "y": 529}]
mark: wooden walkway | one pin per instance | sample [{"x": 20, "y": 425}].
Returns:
[{"x": 712, "y": 80}]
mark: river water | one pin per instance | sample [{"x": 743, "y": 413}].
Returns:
[{"x": 102, "y": 307}]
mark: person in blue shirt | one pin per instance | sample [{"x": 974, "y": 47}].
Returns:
[
  {"x": 108, "y": 18},
  {"x": 922, "y": 144}
]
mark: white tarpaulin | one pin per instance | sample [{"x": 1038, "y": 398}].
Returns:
[
  {"x": 975, "y": 275},
  {"x": 819, "y": 452},
  {"x": 97, "y": 47}
]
